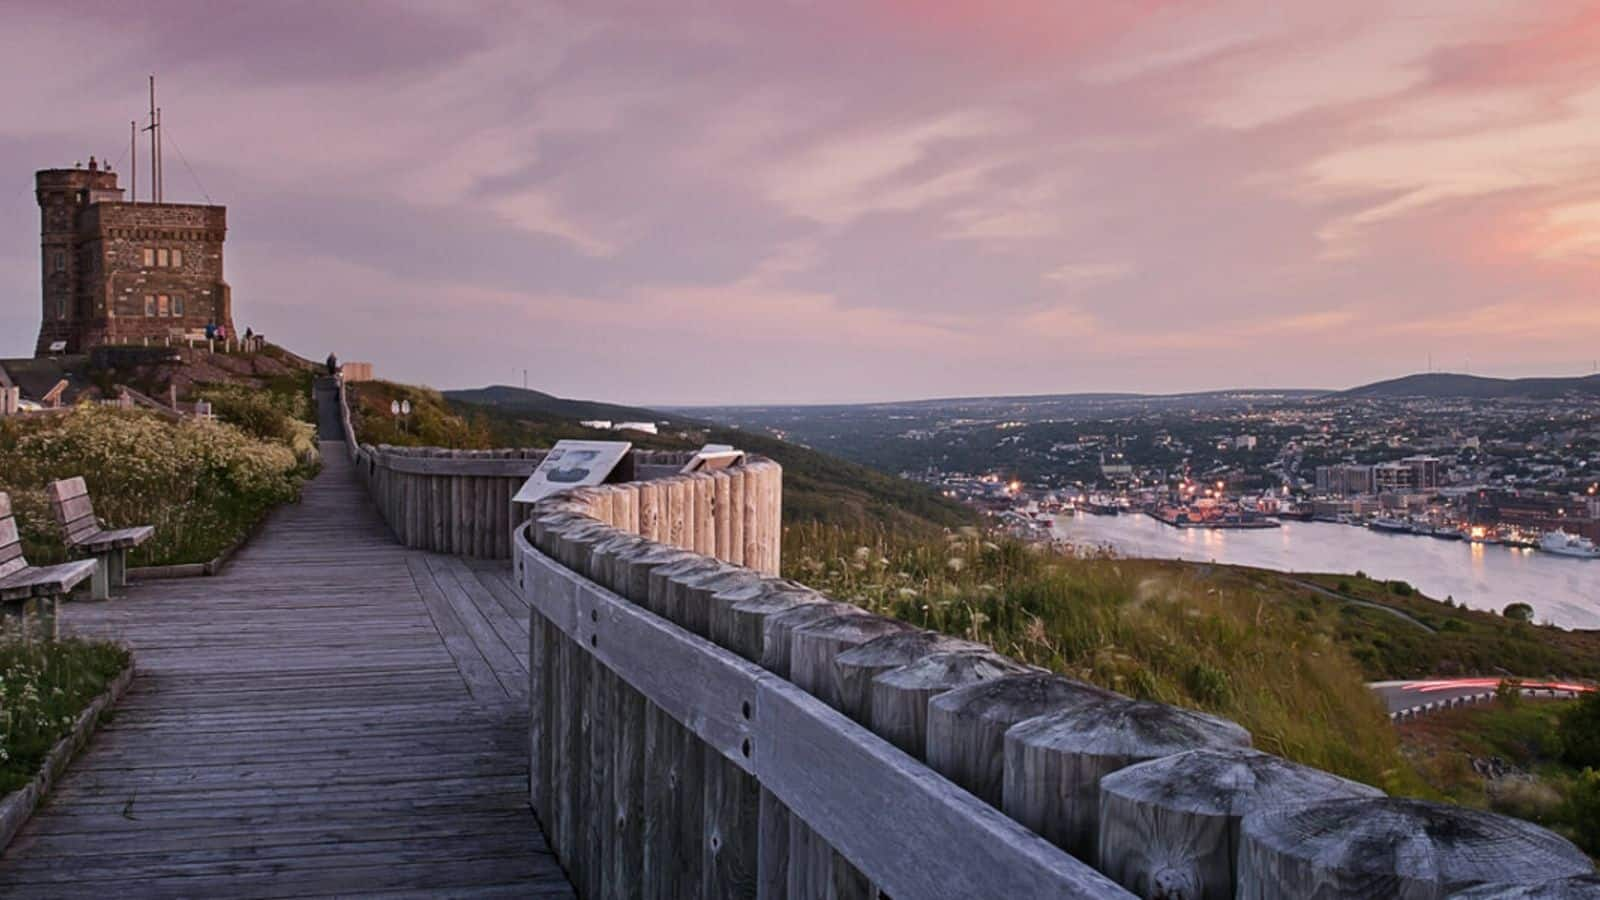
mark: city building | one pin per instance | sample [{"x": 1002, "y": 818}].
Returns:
[
  {"x": 1344, "y": 480},
  {"x": 117, "y": 271}
]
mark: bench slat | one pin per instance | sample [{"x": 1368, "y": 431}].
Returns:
[
  {"x": 47, "y": 581},
  {"x": 116, "y": 539},
  {"x": 67, "y": 488},
  {"x": 73, "y": 510},
  {"x": 8, "y": 532},
  {"x": 5, "y": 504}
]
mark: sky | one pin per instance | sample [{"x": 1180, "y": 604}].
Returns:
[{"x": 757, "y": 202}]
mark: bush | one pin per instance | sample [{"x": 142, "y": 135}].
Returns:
[
  {"x": 1579, "y": 730},
  {"x": 1401, "y": 589},
  {"x": 201, "y": 484},
  {"x": 1508, "y": 692},
  {"x": 1518, "y": 612},
  {"x": 1583, "y": 810}
]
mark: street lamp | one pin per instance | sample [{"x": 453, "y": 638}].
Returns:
[{"x": 400, "y": 409}]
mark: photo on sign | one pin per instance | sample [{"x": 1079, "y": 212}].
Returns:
[{"x": 572, "y": 464}]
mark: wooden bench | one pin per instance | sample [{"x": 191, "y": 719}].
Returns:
[
  {"x": 29, "y": 591},
  {"x": 75, "y": 514}
]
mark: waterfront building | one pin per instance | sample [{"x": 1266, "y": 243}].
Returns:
[{"x": 1344, "y": 480}]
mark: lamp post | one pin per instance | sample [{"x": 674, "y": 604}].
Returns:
[{"x": 401, "y": 410}]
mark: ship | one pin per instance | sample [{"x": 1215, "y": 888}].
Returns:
[
  {"x": 1446, "y": 532},
  {"x": 1100, "y": 506},
  {"x": 1398, "y": 526},
  {"x": 1563, "y": 544}
]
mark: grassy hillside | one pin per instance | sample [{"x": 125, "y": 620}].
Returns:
[
  {"x": 818, "y": 488},
  {"x": 1448, "y": 384}
]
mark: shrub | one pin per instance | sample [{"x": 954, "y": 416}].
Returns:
[
  {"x": 1583, "y": 810},
  {"x": 201, "y": 484},
  {"x": 1401, "y": 589},
  {"x": 259, "y": 413},
  {"x": 1579, "y": 730},
  {"x": 1518, "y": 612},
  {"x": 1508, "y": 692}
]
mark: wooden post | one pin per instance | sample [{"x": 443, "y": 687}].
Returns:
[
  {"x": 967, "y": 726},
  {"x": 735, "y": 515},
  {"x": 814, "y": 868},
  {"x": 779, "y": 626},
  {"x": 898, "y": 708},
  {"x": 1170, "y": 827},
  {"x": 705, "y": 527},
  {"x": 855, "y": 668},
  {"x": 753, "y": 510},
  {"x": 1054, "y": 762},
  {"x": 813, "y": 649},
  {"x": 1352, "y": 848},
  {"x": 650, "y": 511},
  {"x": 743, "y": 628},
  {"x": 722, "y": 499}
]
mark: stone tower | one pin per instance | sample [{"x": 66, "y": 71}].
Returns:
[{"x": 118, "y": 272}]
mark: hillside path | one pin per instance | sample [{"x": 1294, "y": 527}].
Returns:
[{"x": 332, "y": 715}]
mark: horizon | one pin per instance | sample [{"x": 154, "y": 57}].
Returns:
[{"x": 895, "y": 201}]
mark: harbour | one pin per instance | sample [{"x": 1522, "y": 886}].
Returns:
[{"x": 1562, "y": 590}]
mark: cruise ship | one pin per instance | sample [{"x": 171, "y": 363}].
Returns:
[{"x": 1564, "y": 544}]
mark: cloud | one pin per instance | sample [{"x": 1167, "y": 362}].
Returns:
[{"x": 739, "y": 201}]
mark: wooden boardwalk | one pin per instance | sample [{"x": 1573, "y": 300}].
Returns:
[{"x": 333, "y": 715}]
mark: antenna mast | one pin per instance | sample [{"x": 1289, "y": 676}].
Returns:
[
  {"x": 155, "y": 145},
  {"x": 133, "y": 165}
]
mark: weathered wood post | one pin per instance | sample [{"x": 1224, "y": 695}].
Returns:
[
  {"x": 967, "y": 726},
  {"x": 855, "y": 668},
  {"x": 814, "y": 868},
  {"x": 1170, "y": 827},
  {"x": 1054, "y": 762},
  {"x": 898, "y": 704},
  {"x": 1388, "y": 847}
]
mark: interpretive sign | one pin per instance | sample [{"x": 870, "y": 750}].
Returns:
[
  {"x": 712, "y": 457},
  {"x": 571, "y": 464}
]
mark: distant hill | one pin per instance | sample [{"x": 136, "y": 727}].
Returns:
[
  {"x": 1449, "y": 384},
  {"x": 539, "y": 404},
  {"x": 818, "y": 487}
]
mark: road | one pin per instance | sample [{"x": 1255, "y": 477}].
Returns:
[{"x": 1420, "y": 696}]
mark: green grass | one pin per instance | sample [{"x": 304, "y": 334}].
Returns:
[
  {"x": 44, "y": 686},
  {"x": 1442, "y": 747},
  {"x": 1463, "y": 642},
  {"x": 1208, "y": 638}
]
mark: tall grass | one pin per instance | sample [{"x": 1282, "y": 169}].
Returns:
[{"x": 1194, "y": 636}]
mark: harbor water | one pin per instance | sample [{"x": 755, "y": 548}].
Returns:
[{"x": 1562, "y": 590}]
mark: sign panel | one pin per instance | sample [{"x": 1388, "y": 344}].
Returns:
[
  {"x": 712, "y": 457},
  {"x": 572, "y": 464}
]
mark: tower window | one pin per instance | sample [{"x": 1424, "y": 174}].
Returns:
[
  {"x": 163, "y": 305},
  {"x": 161, "y": 256},
  {"x": 149, "y": 256},
  {"x": 177, "y": 258},
  {"x": 58, "y": 260},
  {"x": 177, "y": 306},
  {"x": 149, "y": 305},
  {"x": 61, "y": 307}
]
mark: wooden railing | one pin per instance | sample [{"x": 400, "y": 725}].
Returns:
[{"x": 459, "y": 501}]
